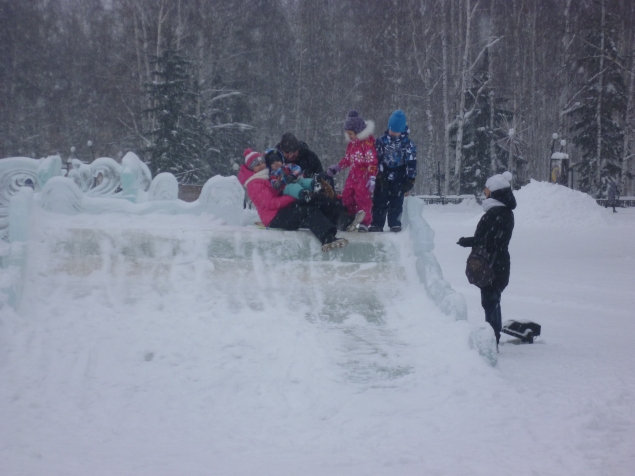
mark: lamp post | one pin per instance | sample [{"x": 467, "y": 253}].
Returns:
[
  {"x": 90, "y": 146},
  {"x": 554, "y": 138},
  {"x": 69, "y": 165}
]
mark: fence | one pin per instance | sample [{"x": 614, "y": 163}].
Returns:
[{"x": 623, "y": 202}]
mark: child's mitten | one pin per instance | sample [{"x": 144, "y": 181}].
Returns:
[
  {"x": 326, "y": 188},
  {"x": 407, "y": 185},
  {"x": 370, "y": 185},
  {"x": 333, "y": 169},
  {"x": 305, "y": 196}
]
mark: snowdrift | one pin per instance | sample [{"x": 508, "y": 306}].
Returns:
[{"x": 547, "y": 204}]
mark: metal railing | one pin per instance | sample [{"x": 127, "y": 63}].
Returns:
[{"x": 624, "y": 202}]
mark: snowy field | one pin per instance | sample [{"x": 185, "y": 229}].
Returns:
[{"x": 191, "y": 366}]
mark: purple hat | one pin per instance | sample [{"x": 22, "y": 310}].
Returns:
[{"x": 354, "y": 122}]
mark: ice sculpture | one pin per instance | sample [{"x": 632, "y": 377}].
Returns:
[
  {"x": 129, "y": 184},
  {"x": 81, "y": 174},
  {"x": 163, "y": 187},
  {"x": 482, "y": 339},
  {"x": 19, "y": 213},
  {"x": 13, "y": 255},
  {"x": 428, "y": 269},
  {"x": 49, "y": 167},
  {"x": 108, "y": 174},
  {"x": 140, "y": 170},
  {"x": 15, "y": 172},
  {"x": 61, "y": 195},
  {"x": 223, "y": 197}
]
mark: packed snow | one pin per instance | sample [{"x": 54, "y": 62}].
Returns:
[
  {"x": 542, "y": 204},
  {"x": 138, "y": 354}
]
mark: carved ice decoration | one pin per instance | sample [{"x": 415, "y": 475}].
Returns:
[
  {"x": 108, "y": 174},
  {"x": 223, "y": 197},
  {"x": 15, "y": 172},
  {"x": 61, "y": 195},
  {"x": 164, "y": 187},
  {"x": 81, "y": 174},
  {"x": 79, "y": 192},
  {"x": 49, "y": 167},
  {"x": 135, "y": 178}
]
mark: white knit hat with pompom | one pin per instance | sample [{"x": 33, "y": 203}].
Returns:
[{"x": 499, "y": 181}]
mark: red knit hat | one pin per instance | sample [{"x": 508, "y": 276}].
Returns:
[{"x": 250, "y": 156}]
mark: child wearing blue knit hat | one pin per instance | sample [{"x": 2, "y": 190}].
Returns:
[
  {"x": 397, "y": 160},
  {"x": 397, "y": 121}
]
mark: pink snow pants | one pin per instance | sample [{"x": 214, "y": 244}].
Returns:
[{"x": 356, "y": 197}]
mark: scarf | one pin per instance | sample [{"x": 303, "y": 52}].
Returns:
[
  {"x": 263, "y": 174},
  {"x": 490, "y": 203}
]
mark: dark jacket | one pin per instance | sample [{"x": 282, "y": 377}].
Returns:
[
  {"x": 397, "y": 153},
  {"x": 494, "y": 231},
  {"x": 613, "y": 192},
  {"x": 307, "y": 160}
]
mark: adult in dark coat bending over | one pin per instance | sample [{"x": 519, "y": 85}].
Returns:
[
  {"x": 494, "y": 231},
  {"x": 298, "y": 153}
]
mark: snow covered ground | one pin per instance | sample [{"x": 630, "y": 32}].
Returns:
[{"x": 121, "y": 364}]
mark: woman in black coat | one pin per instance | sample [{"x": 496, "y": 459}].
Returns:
[{"x": 494, "y": 232}]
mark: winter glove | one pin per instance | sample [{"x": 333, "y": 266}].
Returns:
[
  {"x": 305, "y": 196},
  {"x": 407, "y": 185},
  {"x": 465, "y": 242},
  {"x": 316, "y": 185},
  {"x": 333, "y": 169},
  {"x": 370, "y": 185}
]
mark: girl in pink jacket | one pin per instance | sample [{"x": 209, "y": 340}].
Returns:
[{"x": 361, "y": 157}]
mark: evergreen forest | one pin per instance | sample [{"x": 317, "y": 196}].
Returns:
[{"x": 189, "y": 84}]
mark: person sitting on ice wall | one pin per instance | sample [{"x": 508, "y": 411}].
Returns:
[
  {"x": 298, "y": 153},
  {"x": 361, "y": 157},
  {"x": 289, "y": 178},
  {"x": 284, "y": 211},
  {"x": 494, "y": 232}
]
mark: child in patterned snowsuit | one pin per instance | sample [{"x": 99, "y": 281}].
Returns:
[
  {"x": 287, "y": 178},
  {"x": 397, "y": 156},
  {"x": 361, "y": 157}
]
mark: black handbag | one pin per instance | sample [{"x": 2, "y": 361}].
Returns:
[{"x": 480, "y": 267}]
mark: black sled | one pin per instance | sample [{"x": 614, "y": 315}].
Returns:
[{"x": 526, "y": 331}]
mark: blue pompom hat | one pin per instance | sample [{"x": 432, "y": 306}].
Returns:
[
  {"x": 354, "y": 122},
  {"x": 397, "y": 121}
]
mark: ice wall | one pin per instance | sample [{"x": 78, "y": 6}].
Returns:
[
  {"x": 108, "y": 187},
  {"x": 103, "y": 186},
  {"x": 428, "y": 269},
  {"x": 13, "y": 254}
]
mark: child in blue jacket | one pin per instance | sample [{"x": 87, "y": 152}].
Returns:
[
  {"x": 397, "y": 159},
  {"x": 287, "y": 178}
]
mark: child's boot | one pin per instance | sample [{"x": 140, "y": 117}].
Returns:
[{"x": 359, "y": 217}]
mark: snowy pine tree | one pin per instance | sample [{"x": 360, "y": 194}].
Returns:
[
  {"x": 179, "y": 141},
  {"x": 598, "y": 131}
]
